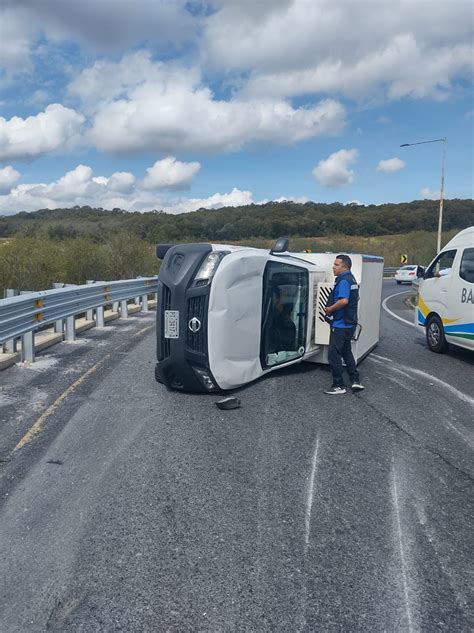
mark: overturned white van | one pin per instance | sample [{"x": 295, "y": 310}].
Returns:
[
  {"x": 228, "y": 315},
  {"x": 446, "y": 295}
]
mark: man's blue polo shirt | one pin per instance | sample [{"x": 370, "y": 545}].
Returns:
[{"x": 341, "y": 291}]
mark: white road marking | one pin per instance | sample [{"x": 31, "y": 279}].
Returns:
[
  {"x": 392, "y": 366},
  {"x": 401, "y": 547},
  {"x": 453, "y": 390},
  {"x": 403, "y": 385},
  {"x": 309, "y": 499},
  {"x": 389, "y": 360},
  {"x": 406, "y": 371},
  {"x": 395, "y": 316}
]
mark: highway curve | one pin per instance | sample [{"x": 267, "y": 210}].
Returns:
[{"x": 131, "y": 508}]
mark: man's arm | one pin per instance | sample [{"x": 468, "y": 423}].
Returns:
[
  {"x": 343, "y": 293},
  {"x": 340, "y": 303}
]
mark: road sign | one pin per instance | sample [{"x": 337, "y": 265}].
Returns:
[{"x": 403, "y": 259}]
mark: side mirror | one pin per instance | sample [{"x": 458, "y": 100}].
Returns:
[
  {"x": 280, "y": 246},
  {"x": 421, "y": 271},
  {"x": 162, "y": 249}
]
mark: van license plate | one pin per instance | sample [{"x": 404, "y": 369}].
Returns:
[{"x": 171, "y": 324}]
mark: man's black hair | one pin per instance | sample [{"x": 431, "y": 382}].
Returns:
[{"x": 346, "y": 260}]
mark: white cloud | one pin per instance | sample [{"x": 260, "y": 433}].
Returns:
[
  {"x": 166, "y": 108},
  {"x": 191, "y": 120},
  {"x": 299, "y": 199},
  {"x": 56, "y": 129},
  {"x": 393, "y": 50},
  {"x": 427, "y": 194},
  {"x": 170, "y": 173},
  {"x": 8, "y": 177},
  {"x": 16, "y": 33},
  {"x": 390, "y": 165},
  {"x": 121, "y": 181},
  {"x": 80, "y": 187},
  {"x": 77, "y": 183},
  {"x": 235, "y": 198},
  {"x": 333, "y": 171},
  {"x": 97, "y": 25}
]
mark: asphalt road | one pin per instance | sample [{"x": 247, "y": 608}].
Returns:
[{"x": 132, "y": 508}]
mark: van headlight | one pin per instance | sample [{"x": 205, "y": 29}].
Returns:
[{"x": 209, "y": 266}]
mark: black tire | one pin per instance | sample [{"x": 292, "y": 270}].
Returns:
[
  {"x": 398, "y": 283},
  {"x": 435, "y": 335}
]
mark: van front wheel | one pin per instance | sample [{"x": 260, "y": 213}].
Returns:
[{"x": 435, "y": 335}]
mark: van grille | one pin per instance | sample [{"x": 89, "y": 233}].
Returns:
[{"x": 197, "y": 341}]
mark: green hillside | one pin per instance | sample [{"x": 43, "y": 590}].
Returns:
[{"x": 73, "y": 245}]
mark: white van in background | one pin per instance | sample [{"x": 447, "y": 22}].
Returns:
[{"x": 446, "y": 295}]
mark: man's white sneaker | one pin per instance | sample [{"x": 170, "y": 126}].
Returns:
[
  {"x": 336, "y": 391},
  {"x": 356, "y": 386}
]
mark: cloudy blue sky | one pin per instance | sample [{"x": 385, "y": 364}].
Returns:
[{"x": 174, "y": 105}]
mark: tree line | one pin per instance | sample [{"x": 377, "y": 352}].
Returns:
[
  {"x": 73, "y": 245},
  {"x": 270, "y": 220}
]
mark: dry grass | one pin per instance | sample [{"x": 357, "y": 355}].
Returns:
[{"x": 419, "y": 246}]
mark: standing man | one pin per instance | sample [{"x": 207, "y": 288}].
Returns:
[{"x": 342, "y": 308}]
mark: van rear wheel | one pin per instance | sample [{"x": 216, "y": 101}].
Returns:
[{"x": 435, "y": 335}]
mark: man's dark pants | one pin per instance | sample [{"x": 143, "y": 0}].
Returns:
[{"x": 340, "y": 347}]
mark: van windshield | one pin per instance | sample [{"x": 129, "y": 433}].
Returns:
[{"x": 284, "y": 313}]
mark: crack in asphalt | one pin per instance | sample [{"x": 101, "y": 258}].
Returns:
[{"x": 417, "y": 442}]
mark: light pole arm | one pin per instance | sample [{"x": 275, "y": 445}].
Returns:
[{"x": 443, "y": 140}]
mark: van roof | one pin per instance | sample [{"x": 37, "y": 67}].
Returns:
[{"x": 463, "y": 238}]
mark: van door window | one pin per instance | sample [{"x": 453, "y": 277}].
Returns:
[
  {"x": 466, "y": 269},
  {"x": 442, "y": 265},
  {"x": 284, "y": 313}
]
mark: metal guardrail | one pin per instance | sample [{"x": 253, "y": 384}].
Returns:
[
  {"x": 23, "y": 315},
  {"x": 390, "y": 270}
]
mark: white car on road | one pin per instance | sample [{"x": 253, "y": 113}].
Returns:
[{"x": 407, "y": 274}]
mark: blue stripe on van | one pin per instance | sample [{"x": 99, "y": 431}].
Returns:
[{"x": 468, "y": 328}]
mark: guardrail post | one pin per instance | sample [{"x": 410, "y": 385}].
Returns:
[
  {"x": 99, "y": 317},
  {"x": 28, "y": 347},
  {"x": 70, "y": 328},
  {"x": 10, "y": 292},
  {"x": 27, "y": 340},
  {"x": 123, "y": 309},
  {"x": 10, "y": 346},
  {"x": 145, "y": 303},
  {"x": 59, "y": 325},
  {"x": 115, "y": 306},
  {"x": 90, "y": 313}
]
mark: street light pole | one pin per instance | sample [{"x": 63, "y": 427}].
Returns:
[{"x": 443, "y": 140}]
